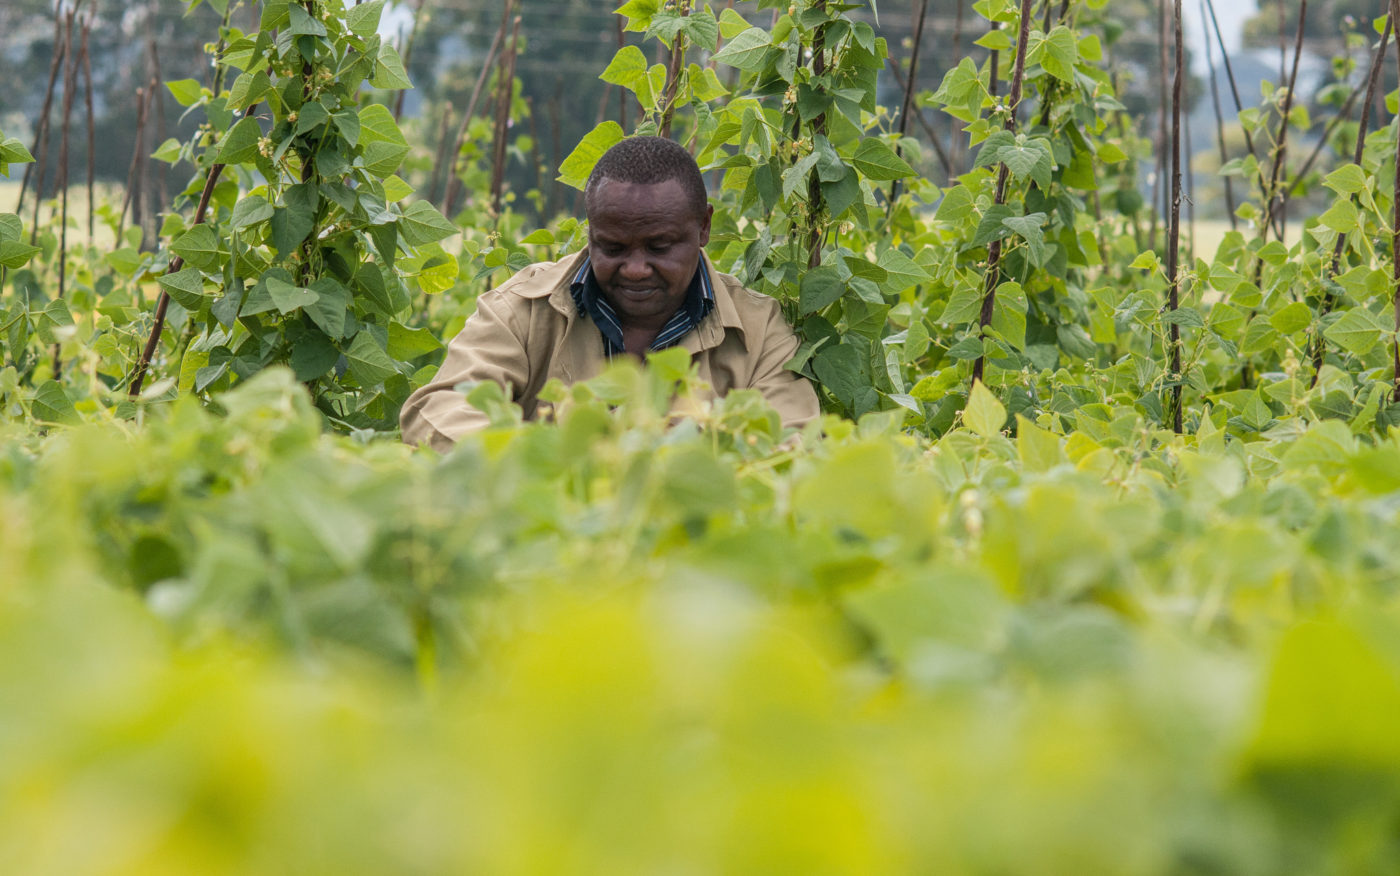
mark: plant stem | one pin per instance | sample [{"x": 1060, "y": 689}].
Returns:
[
  {"x": 1319, "y": 344},
  {"x": 130, "y": 198},
  {"x": 1174, "y": 228},
  {"x": 41, "y": 131},
  {"x": 673, "y": 75},
  {"x": 70, "y": 81},
  {"x": 1273, "y": 204},
  {"x": 932, "y": 135},
  {"x": 418, "y": 16},
  {"x": 504, "y": 92},
  {"x": 816, "y": 203},
  {"x": 1234, "y": 89},
  {"x": 453, "y": 183},
  {"x": 91, "y": 131},
  {"x": 908, "y": 105},
  {"x": 989, "y": 289},
  {"x": 1395, "y": 235},
  {"x": 1219, "y": 126},
  {"x": 138, "y": 376}
]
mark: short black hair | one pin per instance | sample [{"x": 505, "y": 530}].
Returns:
[{"x": 647, "y": 161}]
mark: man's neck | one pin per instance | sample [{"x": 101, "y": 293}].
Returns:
[{"x": 637, "y": 337}]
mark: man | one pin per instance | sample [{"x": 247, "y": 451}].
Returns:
[{"x": 643, "y": 283}]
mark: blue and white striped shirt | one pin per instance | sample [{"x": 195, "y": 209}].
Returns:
[{"x": 589, "y": 299}]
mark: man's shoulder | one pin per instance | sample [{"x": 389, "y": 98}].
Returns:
[
  {"x": 752, "y": 308},
  {"x": 540, "y": 279}
]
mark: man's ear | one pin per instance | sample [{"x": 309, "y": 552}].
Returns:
[{"x": 705, "y": 225}]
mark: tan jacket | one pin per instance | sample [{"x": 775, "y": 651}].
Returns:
[{"x": 527, "y": 331}]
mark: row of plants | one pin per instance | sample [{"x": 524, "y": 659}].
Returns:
[
  {"x": 1032, "y": 273},
  {"x": 615, "y": 643}
]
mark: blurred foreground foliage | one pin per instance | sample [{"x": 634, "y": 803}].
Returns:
[{"x": 631, "y": 641}]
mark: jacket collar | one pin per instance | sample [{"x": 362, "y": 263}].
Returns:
[{"x": 707, "y": 335}]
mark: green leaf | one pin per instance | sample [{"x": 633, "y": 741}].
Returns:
[
  {"x": 731, "y": 23},
  {"x": 51, "y": 404},
  {"x": 240, "y": 144},
  {"x": 330, "y": 307},
  {"x": 250, "y": 211},
  {"x": 1293, "y": 318},
  {"x": 312, "y": 356},
  {"x": 187, "y": 91},
  {"x": 389, "y": 72},
  {"x": 984, "y": 414},
  {"x": 288, "y": 298},
  {"x": 1038, "y": 448},
  {"x": 1358, "y": 331},
  {"x": 1342, "y": 217},
  {"x": 363, "y": 18},
  {"x": 628, "y": 69},
  {"x": 1347, "y": 179},
  {"x": 368, "y": 362},
  {"x": 248, "y": 89},
  {"x": 576, "y": 168},
  {"x": 702, "y": 29},
  {"x": 747, "y": 51},
  {"x": 1057, "y": 53},
  {"x": 877, "y": 161},
  {"x": 198, "y": 246},
  {"x": 169, "y": 151},
  {"x": 292, "y": 222},
  {"x": 14, "y": 254},
  {"x": 901, "y": 272},
  {"x": 186, "y": 287},
  {"x": 406, "y": 344},
  {"x": 639, "y": 13},
  {"x": 302, "y": 23},
  {"x": 820, "y": 286},
  {"x": 421, "y": 224},
  {"x": 1029, "y": 229},
  {"x": 384, "y": 145}
]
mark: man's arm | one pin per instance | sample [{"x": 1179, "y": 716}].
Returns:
[
  {"x": 491, "y": 346},
  {"x": 790, "y": 394}
]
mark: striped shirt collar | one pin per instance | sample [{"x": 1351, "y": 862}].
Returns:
[{"x": 589, "y": 299}]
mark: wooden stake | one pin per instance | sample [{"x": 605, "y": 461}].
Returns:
[
  {"x": 505, "y": 91},
  {"x": 989, "y": 289},
  {"x": 138, "y": 376},
  {"x": 41, "y": 131},
  {"x": 1174, "y": 227},
  {"x": 1319, "y": 344},
  {"x": 449, "y": 196}
]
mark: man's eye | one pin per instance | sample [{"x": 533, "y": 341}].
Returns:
[{"x": 659, "y": 248}]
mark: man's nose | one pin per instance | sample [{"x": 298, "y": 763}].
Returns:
[{"x": 634, "y": 266}]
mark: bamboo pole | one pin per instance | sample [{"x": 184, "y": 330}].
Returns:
[
  {"x": 91, "y": 129},
  {"x": 138, "y": 375},
  {"x": 453, "y": 183},
  {"x": 1272, "y": 205},
  {"x": 41, "y": 131},
  {"x": 816, "y": 203},
  {"x": 70, "y": 82},
  {"x": 1395, "y": 236},
  {"x": 505, "y": 91},
  {"x": 1319, "y": 344},
  {"x": 907, "y": 105},
  {"x": 1174, "y": 226},
  {"x": 932, "y": 135},
  {"x": 989, "y": 289},
  {"x": 1219, "y": 125}
]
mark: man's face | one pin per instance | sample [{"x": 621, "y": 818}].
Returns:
[{"x": 644, "y": 242}]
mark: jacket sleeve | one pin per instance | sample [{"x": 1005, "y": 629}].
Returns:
[
  {"x": 491, "y": 346},
  {"x": 790, "y": 394}
]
